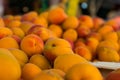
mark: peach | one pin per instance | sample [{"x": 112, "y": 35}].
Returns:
[
  {"x": 86, "y": 21},
  {"x": 83, "y": 31},
  {"x": 8, "y": 42},
  {"x": 48, "y": 76},
  {"x": 71, "y": 23},
  {"x": 44, "y": 14},
  {"x": 40, "y": 61},
  {"x": 84, "y": 52},
  {"x": 20, "y": 55},
  {"x": 84, "y": 72},
  {"x": 9, "y": 67},
  {"x": 111, "y": 36},
  {"x": 17, "y": 38},
  {"x": 55, "y": 47},
  {"x": 2, "y": 24},
  {"x": 109, "y": 43},
  {"x": 42, "y": 32},
  {"x": 17, "y": 17},
  {"x": 79, "y": 42},
  {"x": 70, "y": 34},
  {"x": 40, "y": 21},
  {"x": 98, "y": 22},
  {"x": 25, "y": 26},
  {"x": 4, "y": 31},
  {"x": 56, "y": 29},
  {"x": 54, "y": 17},
  {"x": 58, "y": 71},
  {"x": 92, "y": 44},
  {"x": 18, "y": 32},
  {"x": 66, "y": 61},
  {"x": 30, "y": 71},
  {"x": 96, "y": 35},
  {"x": 29, "y": 16},
  {"x": 105, "y": 29},
  {"x": 32, "y": 44},
  {"x": 108, "y": 54},
  {"x": 113, "y": 23},
  {"x": 14, "y": 23},
  {"x": 7, "y": 19},
  {"x": 113, "y": 75}
]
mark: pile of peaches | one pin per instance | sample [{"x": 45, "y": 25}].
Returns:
[{"x": 54, "y": 46}]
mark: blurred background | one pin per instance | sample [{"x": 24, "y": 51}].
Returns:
[{"x": 102, "y": 8}]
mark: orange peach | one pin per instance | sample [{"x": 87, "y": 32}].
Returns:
[
  {"x": 55, "y": 47},
  {"x": 40, "y": 21},
  {"x": 29, "y": 16},
  {"x": 17, "y": 17},
  {"x": 32, "y": 44},
  {"x": 4, "y": 31},
  {"x": 66, "y": 61},
  {"x": 56, "y": 15},
  {"x": 58, "y": 71},
  {"x": 71, "y": 22},
  {"x": 56, "y": 29},
  {"x": 111, "y": 36},
  {"x": 8, "y": 42},
  {"x": 79, "y": 42},
  {"x": 108, "y": 54},
  {"x": 9, "y": 67},
  {"x": 105, "y": 29},
  {"x": 48, "y": 76},
  {"x": 86, "y": 21},
  {"x": 40, "y": 61},
  {"x": 18, "y": 31},
  {"x": 110, "y": 44},
  {"x": 44, "y": 14},
  {"x": 83, "y": 71},
  {"x": 20, "y": 55},
  {"x": 70, "y": 34},
  {"x": 30, "y": 71},
  {"x": 2, "y": 24},
  {"x": 92, "y": 44},
  {"x": 14, "y": 23}
]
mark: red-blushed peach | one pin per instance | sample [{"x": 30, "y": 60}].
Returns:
[
  {"x": 29, "y": 16},
  {"x": 84, "y": 52},
  {"x": 32, "y": 44},
  {"x": 55, "y": 47},
  {"x": 98, "y": 22},
  {"x": 25, "y": 26},
  {"x": 113, "y": 75},
  {"x": 83, "y": 31},
  {"x": 86, "y": 21},
  {"x": 42, "y": 32}
]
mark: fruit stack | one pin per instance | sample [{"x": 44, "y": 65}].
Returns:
[{"x": 54, "y": 46}]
